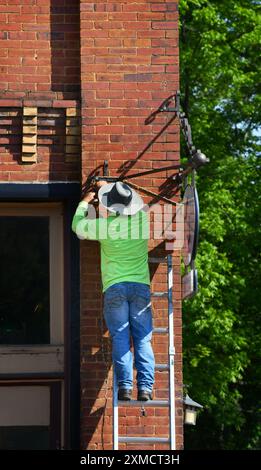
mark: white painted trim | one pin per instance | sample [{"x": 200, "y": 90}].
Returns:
[
  {"x": 25, "y": 405},
  {"x": 55, "y": 213}
]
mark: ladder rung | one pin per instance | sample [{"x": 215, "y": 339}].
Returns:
[
  {"x": 158, "y": 260},
  {"x": 150, "y": 403},
  {"x": 160, "y": 330},
  {"x": 161, "y": 367},
  {"x": 159, "y": 294},
  {"x": 143, "y": 439}
]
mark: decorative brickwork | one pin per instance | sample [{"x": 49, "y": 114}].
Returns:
[{"x": 29, "y": 135}]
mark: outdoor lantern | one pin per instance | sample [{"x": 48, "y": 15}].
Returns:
[
  {"x": 198, "y": 159},
  {"x": 190, "y": 410}
]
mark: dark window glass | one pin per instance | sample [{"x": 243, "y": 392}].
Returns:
[
  {"x": 24, "y": 438},
  {"x": 24, "y": 280}
]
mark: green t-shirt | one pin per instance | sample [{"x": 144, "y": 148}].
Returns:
[{"x": 124, "y": 244}]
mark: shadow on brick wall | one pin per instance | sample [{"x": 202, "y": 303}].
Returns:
[
  {"x": 95, "y": 352},
  {"x": 169, "y": 188},
  {"x": 11, "y": 132},
  {"x": 65, "y": 45}
]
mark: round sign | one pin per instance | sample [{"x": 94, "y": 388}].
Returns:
[{"x": 191, "y": 224}]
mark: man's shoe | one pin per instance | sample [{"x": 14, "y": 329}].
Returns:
[
  {"x": 124, "y": 394},
  {"x": 144, "y": 395}
]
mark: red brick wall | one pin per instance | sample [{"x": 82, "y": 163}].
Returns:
[
  {"x": 129, "y": 65},
  {"x": 39, "y": 66},
  {"x": 39, "y": 46}
]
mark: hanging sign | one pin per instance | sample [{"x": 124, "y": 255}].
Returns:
[
  {"x": 191, "y": 224},
  {"x": 189, "y": 284}
]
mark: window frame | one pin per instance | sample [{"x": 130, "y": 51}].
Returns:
[
  {"x": 56, "y": 404},
  {"x": 54, "y": 211},
  {"x": 67, "y": 192}
]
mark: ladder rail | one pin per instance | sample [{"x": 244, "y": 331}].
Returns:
[
  {"x": 172, "y": 406},
  {"x": 115, "y": 413}
]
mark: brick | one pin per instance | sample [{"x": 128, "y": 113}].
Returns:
[
  {"x": 10, "y": 103},
  {"x": 102, "y": 42},
  {"x": 29, "y": 129},
  {"x": 87, "y": 6},
  {"x": 73, "y": 130},
  {"x": 29, "y": 148},
  {"x": 158, "y": 6},
  {"x": 164, "y": 25},
  {"x": 72, "y": 149},
  {"x": 29, "y": 111},
  {"x": 12, "y": 18},
  {"x": 29, "y": 158},
  {"x": 73, "y": 140},
  {"x": 142, "y": 77},
  {"x": 70, "y": 112},
  {"x": 29, "y": 139},
  {"x": 136, "y": 6},
  {"x": 151, "y": 16},
  {"x": 151, "y": 34}
]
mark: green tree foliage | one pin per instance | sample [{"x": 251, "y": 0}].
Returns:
[{"x": 220, "y": 73}]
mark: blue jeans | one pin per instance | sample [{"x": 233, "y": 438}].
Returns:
[{"x": 127, "y": 312}]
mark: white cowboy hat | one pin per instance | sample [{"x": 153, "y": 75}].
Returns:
[{"x": 120, "y": 198}]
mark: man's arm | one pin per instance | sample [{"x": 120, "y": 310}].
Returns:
[{"x": 83, "y": 227}]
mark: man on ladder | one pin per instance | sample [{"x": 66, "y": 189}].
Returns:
[{"x": 123, "y": 238}]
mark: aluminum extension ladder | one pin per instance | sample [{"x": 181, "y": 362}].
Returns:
[{"x": 171, "y": 440}]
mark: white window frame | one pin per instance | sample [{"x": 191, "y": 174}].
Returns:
[{"x": 47, "y": 357}]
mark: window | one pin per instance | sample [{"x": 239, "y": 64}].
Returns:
[
  {"x": 31, "y": 326},
  {"x": 30, "y": 416},
  {"x": 31, "y": 274},
  {"x": 24, "y": 280}
]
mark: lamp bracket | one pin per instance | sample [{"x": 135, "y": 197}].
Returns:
[{"x": 196, "y": 157}]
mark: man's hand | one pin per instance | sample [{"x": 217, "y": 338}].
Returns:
[
  {"x": 89, "y": 197},
  {"x": 101, "y": 183}
]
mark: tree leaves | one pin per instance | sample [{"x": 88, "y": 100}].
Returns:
[{"x": 219, "y": 76}]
